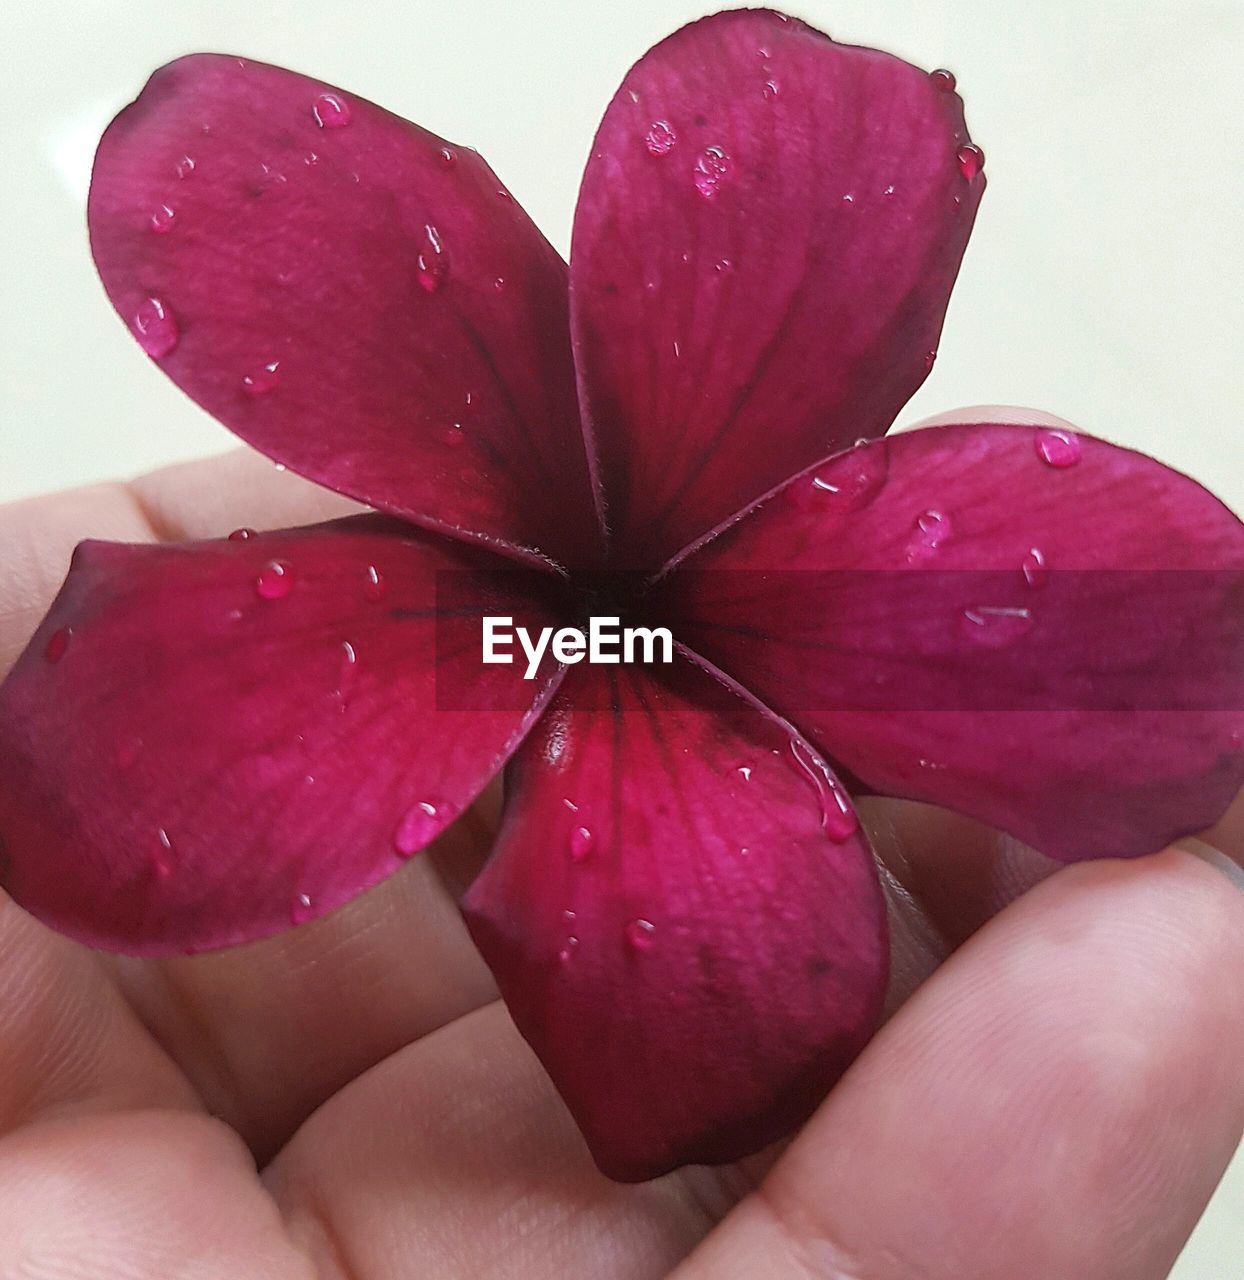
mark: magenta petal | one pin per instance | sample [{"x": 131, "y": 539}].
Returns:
[
  {"x": 204, "y": 744},
  {"x": 683, "y": 918},
  {"x": 766, "y": 239},
  {"x": 350, "y": 295},
  {"x": 1033, "y": 627}
]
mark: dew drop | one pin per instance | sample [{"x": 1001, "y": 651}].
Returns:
[
  {"x": 162, "y": 857},
  {"x": 1059, "y": 449},
  {"x": 943, "y": 80},
  {"x": 838, "y": 819},
  {"x": 373, "y": 583},
  {"x": 347, "y": 673},
  {"x": 57, "y": 643},
  {"x": 994, "y": 626},
  {"x": 930, "y": 530},
  {"x": 155, "y": 328},
  {"x": 769, "y": 90},
  {"x": 419, "y": 824},
  {"x": 432, "y": 266},
  {"x": 711, "y": 169},
  {"x": 971, "y": 160},
  {"x": 311, "y": 158},
  {"x": 930, "y": 359},
  {"x": 301, "y": 909},
  {"x": 724, "y": 266},
  {"x": 454, "y": 435},
  {"x": 889, "y": 191},
  {"x": 448, "y": 157},
  {"x": 499, "y": 283},
  {"x": 263, "y": 380},
  {"x": 241, "y": 535},
  {"x": 852, "y": 482},
  {"x": 582, "y": 842},
  {"x": 849, "y": 198},
  {"x": 331, "y": 111},
  {"x": 275, "y": 581},
  {"x": 185, "y": 166},
  {"x": 162, "y": 219},
  {"x": 640, "y": 934},
  {"x": 1035, "y": 569},
  {"x": 566, "y": 954},
  {"x": 660, "y": 138},
  {"x": 744, "y": 771}
]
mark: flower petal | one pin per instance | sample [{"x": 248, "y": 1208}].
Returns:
[
  {"x": 1030, "y": 626},
  {"x": 355, "y": 298},
  {"x": 766, "y": 239},
  {"x": 206, "y": 743},
  {"x": 690, "y": 953}
]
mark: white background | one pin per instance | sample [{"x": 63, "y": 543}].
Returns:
[{"x": 1104, "y": 281}]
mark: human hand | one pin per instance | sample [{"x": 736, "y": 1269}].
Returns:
[{"x": 350, "y": 1101}]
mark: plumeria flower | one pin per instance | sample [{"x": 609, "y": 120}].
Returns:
[{"x": 207, "y": 743}]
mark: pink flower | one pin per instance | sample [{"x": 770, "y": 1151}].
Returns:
[{"x": 206, "y": 743}]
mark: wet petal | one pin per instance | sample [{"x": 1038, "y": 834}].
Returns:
[
  {"x": 351, "y": 295},
  {"x": 1030, "y": 626},
  {"x": 683, "y": 917},
  {"x": 206, "y": 743},
  {"x": 766, "y": 238}
]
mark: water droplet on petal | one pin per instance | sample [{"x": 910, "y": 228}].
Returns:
[
  {"x": 930, "y": 359},
  {"x": 930, "y": 530},
  {"x": 185, "y": 166},
  {"x": 155, "y": 328},
  {"x": 432, "y": 265},
  {"x": 744, "y": 771},
  {"x": 301, "y": 909},
  {"x": 454, "y": 435},
  {"x": 838, "y": 819},
  {"x": 1035, "y": 570},
  {"x": 57, "y": 643},
  {"x": 1059, "y": 449},
  {"x": 849, "y": 198},
  {"x": 241, "y": 535},
  {"x": 449, "y": 157},
  {"x": 641, "y": 934},
  {"x": 971, "y": 160},
  {"x": 853, "y": 481},
  {"x": 582, "y": 842},
  {"x": 162, "y": 857},
  {"x": 889, "y": 191},
  {"x": 275, "y": 581},
  {"x": 263, "y": 380},
  {"x": 499, "y": 283},
  {"x": 769, "y": 90},
  {"x": 347, "y": 673},
  {"x": 995, "y": 627},
  {"x": 724, "y": 266},
  {"x": 711, "y": 170},
  {"x": 419, "y": 824},
  {"x": 331, "y": 111},
  {"x": 566, "y": 954},
  {"x": 373, "y": 583},
  {"x": 943, "y": 80},
  {"x": 660, "y": 138},
  {"x": 162, "y": 219}
]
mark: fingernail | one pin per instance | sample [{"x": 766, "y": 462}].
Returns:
[{"x": 1215, "y": 857}]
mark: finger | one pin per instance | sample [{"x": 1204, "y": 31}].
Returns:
[
  {"x": 145, "y": 1196},
  {"x": 457, "y": 1158},
  {"x": 69, "y": 1045},
  {"x": 267, "y": 1032},
  {"x": 1059, "y": 1100}
]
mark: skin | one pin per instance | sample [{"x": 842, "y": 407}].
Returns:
[{"x": 1056, "y": 1091}]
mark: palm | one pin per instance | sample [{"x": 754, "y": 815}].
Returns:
[{"x": 1058, "y": 1099}]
